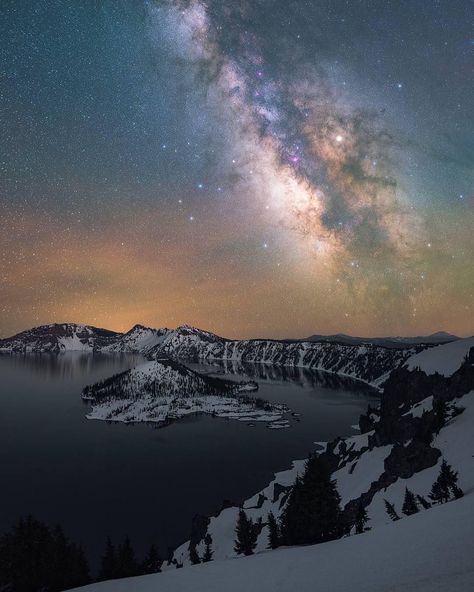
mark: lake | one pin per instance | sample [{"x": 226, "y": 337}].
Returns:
[{"x": 98, "y": 479}]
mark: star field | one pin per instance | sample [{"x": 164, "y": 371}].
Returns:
[{"x": 256, "y": 168}]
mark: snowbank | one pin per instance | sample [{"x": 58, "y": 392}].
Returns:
[
  {"x": 444, "y": 359},
  {"x": 403, "y": 556}
]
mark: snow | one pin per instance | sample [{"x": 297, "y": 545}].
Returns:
[
  {"x": 444, "y": 359},
  {"x": 421, "y": 407},
  {"x": 456, "y": 443},
  {"x": 157, "y": 392},
  {"x": 355, "y": 478},
  {"x": 402, "y": 556}
]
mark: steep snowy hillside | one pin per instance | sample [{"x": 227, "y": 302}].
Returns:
[
  {"x": 59, "y": 338},
  {"x": 139, "y": 339},
  {"x": 428, "y": 552},
  {"x": 160, "y": 391},
  {"x": 402, "y": 445},
  {"x": 445, "y": 360}
]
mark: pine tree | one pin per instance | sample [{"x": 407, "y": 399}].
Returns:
[
  {"x": 208, "y": 552},
  {"x": 273, "y": 532},
  {"x": 109, "y": 565},
  {"x": 390, "y": 509},
  {"x": 152, "y": 562},
  {"x": 424, "y": 503},
  {"x": 32, "y": 557},
  {"x": 409, "y": 503},
  {"x": 193, "y": 554},
  {"x": 246, "y": 533},
  {"x": 312, "y": 513},
  {"x": 361, "y": 520},
  {"x": 445, "y": 485},
  {"x": 127, "y": 565},
  {"x": 440, "y": 410}
]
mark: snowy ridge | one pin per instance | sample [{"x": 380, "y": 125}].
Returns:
[
  {"x": 139, "y": 339},
  {"x": 368, "y": 363},
  {"x": 444, "y": 359},
  {"x": 160, "y": 391},
  {"x": 58, "y": 338}
]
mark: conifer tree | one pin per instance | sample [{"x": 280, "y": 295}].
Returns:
[
  {"x": 445, "y": 485},
  {"x": 361, "y": 520},
  {"x": 273, "y": 532},
  {"x": 440, "y": 410},
  {"x": 32, "y": 558},
  {"x": 152, "y": 562},
  {"x": 424, "y": 503},
  {"x": 193, "y": 554},
  {"x": 246, "y": 533},
  {"x": 312, "y": 513},
  {"x": 390, "y": 509},
  {"x": 127, "y": 565},
  {"x": 409, "y": 503},
  {"x": 208, "y": 552},
  {"x": 109, "y": 566}
]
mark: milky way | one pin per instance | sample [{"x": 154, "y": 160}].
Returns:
[{"x": 257, "y": 168}]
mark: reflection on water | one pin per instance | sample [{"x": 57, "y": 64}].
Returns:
[
  {"x": 302, "y": 376},
  {"x": 100, "y": 479},
  {"x": 71, "y": 365}
]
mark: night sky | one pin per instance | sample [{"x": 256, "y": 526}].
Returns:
[{"x": 261, "y": 168}]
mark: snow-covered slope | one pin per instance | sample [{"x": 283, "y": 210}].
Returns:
[
  {"x": 139, "y": 339},
  {"x": 428, "y": 552},
  {"x": 159, "y": 391},
  {"x": 59, "y": 338},
  {"x": 378, "y": 464},
  {"x": 444, "y": 359}
]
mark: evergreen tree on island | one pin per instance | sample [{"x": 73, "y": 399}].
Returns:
[
  {"x": 246, "y": 533},
  {"x": 312, "y": 514},
  {"x": 410, "y": 505}
]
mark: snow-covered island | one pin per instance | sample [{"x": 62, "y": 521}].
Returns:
[{"x": 163, "y": 390}]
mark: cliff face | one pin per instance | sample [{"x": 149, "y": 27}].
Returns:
[{"x": 366, "y": 362}]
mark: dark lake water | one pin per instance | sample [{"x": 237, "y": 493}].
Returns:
[{"x": 99, "y": 479}]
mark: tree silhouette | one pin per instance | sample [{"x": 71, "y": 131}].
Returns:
[
  {"x": 312, "y": 513},
  {"x": 208, "y": 552},
  {"x": 246, "y": 533},
  {"x": 409, "y": 503},
  {"x": 273, "y": 532}
]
